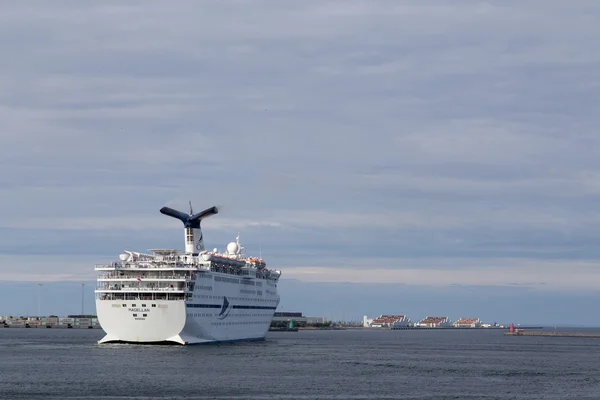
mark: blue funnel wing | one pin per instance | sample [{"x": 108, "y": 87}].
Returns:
[
  {"x": 191, "y": 221},
  {"x": 203, "y": 214},
  {"x": 183, "y": 217}
]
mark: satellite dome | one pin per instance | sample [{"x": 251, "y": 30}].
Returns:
[
  {"x": 233, "y": 248},
  {"x": 123, "y": 257}
]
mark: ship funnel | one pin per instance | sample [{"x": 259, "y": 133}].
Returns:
[{"x": 194, "y": 243}]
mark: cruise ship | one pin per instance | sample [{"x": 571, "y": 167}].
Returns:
[{"x": 190, "y": 297}]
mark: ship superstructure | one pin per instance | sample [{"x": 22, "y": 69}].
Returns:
[{"x": 195, "y": 296}]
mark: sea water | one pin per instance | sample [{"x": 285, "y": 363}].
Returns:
[{"x": 346, "y": 364}]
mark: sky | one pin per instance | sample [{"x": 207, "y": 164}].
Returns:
[{"x": 418, "y": 158}]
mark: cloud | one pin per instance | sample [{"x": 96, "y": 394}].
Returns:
[
  {"x": 555, "y": 275},
  {"x": 330, "y": 133},
  {"x": 131, "y": 223},
  {"x": 45, "y": 268}
]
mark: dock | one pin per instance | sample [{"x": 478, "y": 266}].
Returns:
[
  {"x": 70, "y": 322},
  {"x": 553, "y": 334},
  {"x": 282, "y": 329},
  {"x": 46, "y": 326}
]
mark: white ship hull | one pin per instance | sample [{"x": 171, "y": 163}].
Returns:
[{"x": 228, "y": 312}]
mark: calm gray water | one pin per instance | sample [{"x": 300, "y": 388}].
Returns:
[{"x": 376, "y": 364}]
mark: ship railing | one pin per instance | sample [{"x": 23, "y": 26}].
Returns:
[
  {"x": 130, "y": 276},
  {"x": 153, "y": 265},
  {"x": 168, "y": 296},
  {"x": 139, "y": 289}
]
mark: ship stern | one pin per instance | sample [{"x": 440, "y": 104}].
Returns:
[{"x": 141, "y": 321}]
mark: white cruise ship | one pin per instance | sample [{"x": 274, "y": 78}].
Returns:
[{"x": 187, "y": 298}]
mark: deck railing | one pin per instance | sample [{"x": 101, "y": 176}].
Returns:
[
  {"x": 157, "y": 265},
  {"x": 260, "y": 274},
  {"x": 129, "y": 276},
  {"x": 170, "y": 296},
  {"x": 139, "y": 289}
]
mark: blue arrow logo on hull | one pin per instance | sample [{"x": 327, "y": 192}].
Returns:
[{"x": 225, "y": 309}]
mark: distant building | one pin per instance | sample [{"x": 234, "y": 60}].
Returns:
[
  {"x": 367, "y": 321},
  {"x": 435, "y": 322},
  {"x": 467, "y": 323},
  {"x": 289, "y": 316},
  {"x": 389, "y": 321}
]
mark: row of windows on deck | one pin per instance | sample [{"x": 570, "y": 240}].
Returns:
[
  {"x": 233, "y": 315},
  {"x": 207, "y": 296}
]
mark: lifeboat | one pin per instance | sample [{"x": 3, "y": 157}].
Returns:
[{"x": 217, "y": 258}]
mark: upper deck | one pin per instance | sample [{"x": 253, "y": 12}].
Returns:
[
  {"x": 114, "y": 266},
  {"x": 164, "y": 262}
]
